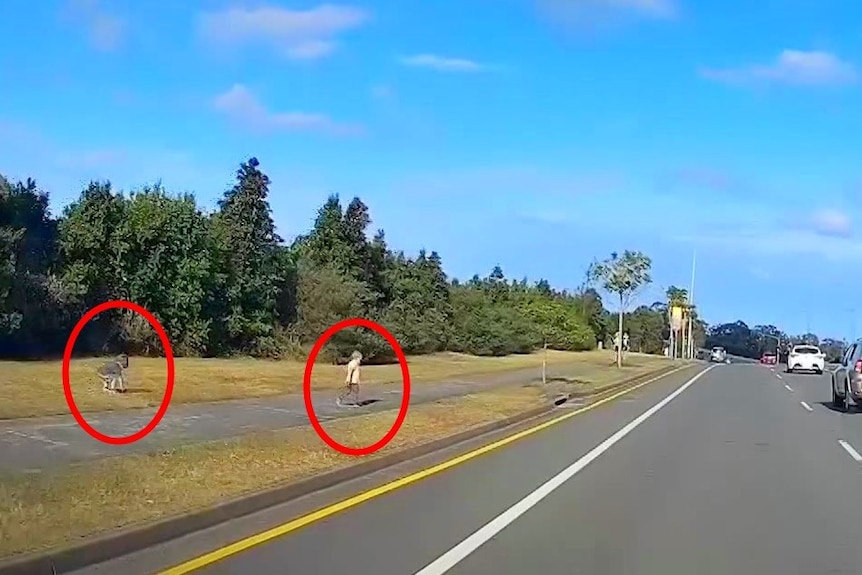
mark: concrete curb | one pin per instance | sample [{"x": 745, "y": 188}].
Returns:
[
  {"x": 611, "y": 387},
  {"x": 130, "y": 540}
]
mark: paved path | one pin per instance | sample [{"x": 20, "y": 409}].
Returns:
[
  {"x": 733, "y": 475},
  {"x": 36, "y": 443}
]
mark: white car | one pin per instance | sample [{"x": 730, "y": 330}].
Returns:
[{"x": 806, "y": 358}]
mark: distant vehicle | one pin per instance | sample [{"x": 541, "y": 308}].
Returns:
[
  {"x": 847, "y": 378},
  {"x": 769, "y": 359},
  {"x": 718, "y": 355},
  {"x": 806, "y": 358}
]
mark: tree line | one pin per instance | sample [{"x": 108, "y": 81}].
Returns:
[
  {"x": 740, "y": 339},
  {"x": 224, "y": 283}
]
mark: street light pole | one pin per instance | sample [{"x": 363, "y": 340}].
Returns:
[
  {"x": 690, "y": 350},
  {"x": 777, "y": 344}
]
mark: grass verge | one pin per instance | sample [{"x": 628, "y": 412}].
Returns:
[
  {"x": 30, "y": 389},
  {"x": 58, "y": 507},
  {"x": 55, "y": 508}
]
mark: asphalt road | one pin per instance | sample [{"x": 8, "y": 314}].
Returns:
[
  {"x": 732, "y": 475},
  {"x": 38, "y": 443}
]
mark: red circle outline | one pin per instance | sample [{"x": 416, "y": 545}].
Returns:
[
  {"x": 405, "y": 397},
  {"x": 169, "y": 386}
]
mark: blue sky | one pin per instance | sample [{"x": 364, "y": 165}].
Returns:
[{"x": 533, "y": 134}]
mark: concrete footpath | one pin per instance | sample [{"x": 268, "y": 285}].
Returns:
[{"x": 36, "y": 443}]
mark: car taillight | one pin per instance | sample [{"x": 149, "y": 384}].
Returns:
[{"x": 858, "y": 367}]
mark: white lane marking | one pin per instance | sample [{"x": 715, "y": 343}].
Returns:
[
  {"x": 787, "y": 387},
  {"x": 778, "y": 375},
  {"x": 806, "y": 406},
  {"x": 36, "y": 437},
  {"x": 461, "y": 551},
  {"x": 279, "y": 410},
  {"x": 849, "y": 449},
  {"x": 57, "y": 425}
]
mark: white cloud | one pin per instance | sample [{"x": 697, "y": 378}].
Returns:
[
  {"x": 64, "y": 170},
  {"x": 441, "y": 63},
  {"x": 698, "y": 177},
  {"x": 777, "y": 243},
  {"x": 792, "y": 67},
  {"x": 27, "y": 140},
  {"x": 649, "y": 8},
  {"x": 106, "y": 31},
  {"x": 91, "y": 159},
  {"x": 826, "y": 222},
  {"x": 382, "y": 92},
  {"x": 242, "y": 106},
  {"x": 296, "y": 34},
  {"x": 830, "y": 222},
  {"x": 760, "y": 273},
  {"x": 529, "y": 193},
  {"x": 311, "y": 50},
  {"x": 589, "y": 14}
]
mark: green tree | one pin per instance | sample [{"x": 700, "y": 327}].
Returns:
[
  {"x": 589, "y": 305},
  {"x": 30, "y": 296},
  {"x": 677, "y": 298},
  {"x": 325, "y": 296},
  {"x": 419, "y": 312},
  {"x": 833, "y": 348},
  {"x": 338, "y": 240},
  {"x": 93, "y": 245},
  {"x": 676, "y": 295},
  {"x": 168, "y": 268},
  {"x": 224, "y": 283},
  {"x": 736, "y": 337},
  {"x": 93, "y": 252},
  {"x": 646, "y": 330},
  {"x": 559, "y": 323},
  {"x": 623, "y": 276},
  {"x": 246, "y": 255}
]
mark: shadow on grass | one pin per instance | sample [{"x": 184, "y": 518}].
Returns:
[
  {"x": 570, "y": 380},
  {"x": 361, "y": 403},
  {"x": 137, "y": 391}
]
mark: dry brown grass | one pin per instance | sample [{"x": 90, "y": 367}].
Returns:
[
  {"x": 35, "y": 388},
  {"x": 55, "y": 508},
  {"x": 58, "y": 507},
  {"x": 589, "y": 379}
]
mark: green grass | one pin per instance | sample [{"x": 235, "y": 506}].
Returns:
[{"x": 30, "y": 389}]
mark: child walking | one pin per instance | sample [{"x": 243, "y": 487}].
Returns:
[{"x": 351, "y": 380}]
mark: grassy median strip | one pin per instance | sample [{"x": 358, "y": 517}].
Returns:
[
  {"x": 53, "y": 508},
  {"x": 35, "y": 388}
]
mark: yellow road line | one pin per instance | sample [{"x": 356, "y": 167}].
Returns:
[{"x": 299, "y": 523}]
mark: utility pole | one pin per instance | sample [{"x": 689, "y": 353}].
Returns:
[
  {"x": 545, "y": 363},
  {"x": 690, "y": 350},
  {"x": 672, "y": 341}
]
